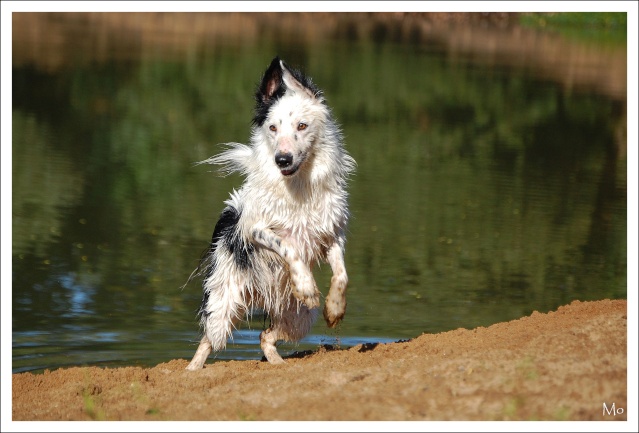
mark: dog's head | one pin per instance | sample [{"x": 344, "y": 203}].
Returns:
[{"x": 291, "y": 114}]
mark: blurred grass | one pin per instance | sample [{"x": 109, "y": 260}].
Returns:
[{"x": 599, "y": 27}]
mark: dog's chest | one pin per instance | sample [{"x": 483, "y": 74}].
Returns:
[
  {"x": 310, "y": 223},
  {"x": 308, "y": 218}
]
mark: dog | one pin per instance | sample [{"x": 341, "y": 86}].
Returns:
[{"x": 290, "y": 213}]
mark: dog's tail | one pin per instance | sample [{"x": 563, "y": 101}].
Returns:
[
  {"x": 233, "y": 159},
  {"x": 203, "y": 265}
]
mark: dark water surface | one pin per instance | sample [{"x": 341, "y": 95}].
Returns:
[{"x": 483, "y": 192}]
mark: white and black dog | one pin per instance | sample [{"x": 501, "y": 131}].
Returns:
[{"x": 290, "y": 213}]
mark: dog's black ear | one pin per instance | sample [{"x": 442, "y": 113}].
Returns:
[
  {"x": 272, "y": 81},
  {"x": 270, "y": 89}
]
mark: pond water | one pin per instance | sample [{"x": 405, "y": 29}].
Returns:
[{"x": 484, "y": 191}]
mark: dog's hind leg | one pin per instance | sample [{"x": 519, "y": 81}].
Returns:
[
  {"x": 293, "y": 325},
  {"x": 223, "y": 310},
  {"x": 268, "y": 338},
  {"x": 202, "y": 353},
  {"x": 335, "y": 303}
]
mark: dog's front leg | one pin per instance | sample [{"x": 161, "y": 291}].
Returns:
[
  {"x": 335, "y": 304},
  {"x": 304, "y": 287}
]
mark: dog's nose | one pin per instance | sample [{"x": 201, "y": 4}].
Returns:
[{"x": 283, "y": 159}]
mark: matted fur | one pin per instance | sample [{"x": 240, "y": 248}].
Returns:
[{"x": 290, "y": 213}]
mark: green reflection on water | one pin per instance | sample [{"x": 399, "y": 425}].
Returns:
[{"x": 481, "y": 194}]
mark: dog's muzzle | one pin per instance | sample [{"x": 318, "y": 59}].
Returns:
[{"x": 285, "y": 162}]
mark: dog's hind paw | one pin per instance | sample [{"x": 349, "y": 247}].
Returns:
[
  {"x": 202, "y": 353},
  {"x": 267, "y": 343},
  {"x": 194, "y": 366}
]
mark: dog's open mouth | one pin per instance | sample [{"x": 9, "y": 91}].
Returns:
[{"x": 289, "y": 171}]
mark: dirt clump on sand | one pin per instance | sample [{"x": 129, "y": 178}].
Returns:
[{"x": 568, "y": 364}]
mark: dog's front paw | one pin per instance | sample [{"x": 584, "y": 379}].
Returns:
[
  {"x": 311, "y": 301},
  {"x": 334, "y": 310},
  {"x": 305, "y": 289},
  {"x": 335, "y": 304}
]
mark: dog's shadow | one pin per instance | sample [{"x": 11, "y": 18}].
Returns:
[
  {"x": 306, "y": 353},
  {"x": 365, "y": 347}
]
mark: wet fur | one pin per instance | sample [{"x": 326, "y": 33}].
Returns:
[{"x": 290, "y": 213}]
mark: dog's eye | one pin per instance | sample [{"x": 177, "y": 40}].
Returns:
[
  {"x": 273, "y": 128},
  {"x": 301, "y": 126}
]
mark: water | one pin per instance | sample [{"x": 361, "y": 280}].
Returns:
[{"x": 485, "y": 190}]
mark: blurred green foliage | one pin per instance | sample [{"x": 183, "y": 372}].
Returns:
[{"x": 597, "y": 27}]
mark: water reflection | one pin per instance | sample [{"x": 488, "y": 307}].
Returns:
[{"x": 484, "y": 191}]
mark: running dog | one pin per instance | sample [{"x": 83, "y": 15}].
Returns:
[{"x": 290, "y": 213}]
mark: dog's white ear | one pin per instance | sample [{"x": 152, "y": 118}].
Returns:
[{"x": 292, "y": 83}]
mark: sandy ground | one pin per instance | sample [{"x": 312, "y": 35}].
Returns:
[{"x": 570, "y": 364}]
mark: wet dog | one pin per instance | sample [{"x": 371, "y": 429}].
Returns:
[{"x": 290, "y": 213}]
